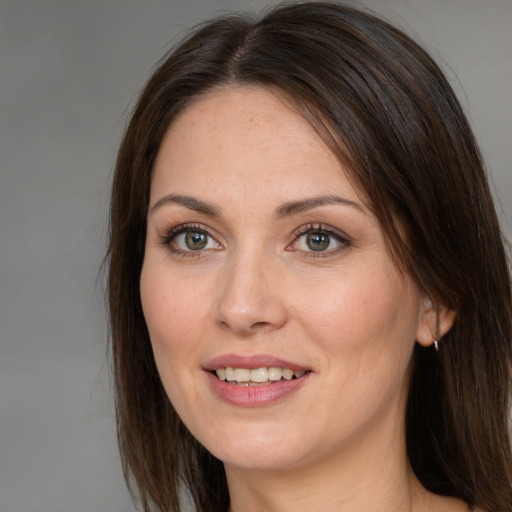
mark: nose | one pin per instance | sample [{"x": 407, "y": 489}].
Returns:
[{"x": 249, "y": 299}]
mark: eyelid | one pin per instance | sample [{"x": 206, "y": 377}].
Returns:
[
  {"x": 171, "y": 233},
  {"x": 344, "y": 240}
]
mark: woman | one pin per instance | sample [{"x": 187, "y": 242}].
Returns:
[{"x": 309, "y": 294}]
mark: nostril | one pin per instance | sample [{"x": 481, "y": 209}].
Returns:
[{"x": 259, "y": 325}]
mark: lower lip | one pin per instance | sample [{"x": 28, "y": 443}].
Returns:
[{"x": 255, "y": 396}]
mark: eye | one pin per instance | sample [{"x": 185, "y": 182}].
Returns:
[
  {"x": 194, "y": 240},
  {"x": 316, "y": 239},
  {"x": 186, "y": 239}
]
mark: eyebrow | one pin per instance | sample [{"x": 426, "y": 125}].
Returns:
[
  {"x": 287, "y": 209},
  {"x": 188, "y": 202},
  {"x": 294, "y": 207}
]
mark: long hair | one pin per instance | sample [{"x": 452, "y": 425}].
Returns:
[{"x": 389, "y": 115}]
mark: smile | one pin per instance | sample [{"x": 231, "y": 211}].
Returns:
[{"x": 256, "y": 376}]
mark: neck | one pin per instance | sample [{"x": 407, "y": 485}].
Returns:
[{"x": 372, "y": 473}]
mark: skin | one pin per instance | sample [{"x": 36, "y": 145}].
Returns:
[{"x": 337, "y": 443}]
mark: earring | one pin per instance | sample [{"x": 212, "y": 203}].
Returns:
[{"x": 436, "y": 336}]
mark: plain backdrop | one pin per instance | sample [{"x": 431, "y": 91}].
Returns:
[{"x": 69, "y": 73}]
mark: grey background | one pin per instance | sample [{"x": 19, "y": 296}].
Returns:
[{"x": 68, "y": 71}]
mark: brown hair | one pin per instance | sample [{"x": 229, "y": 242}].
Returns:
[{"x": 386, "y": 110}]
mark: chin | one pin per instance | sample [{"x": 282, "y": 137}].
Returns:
[
  {"x": 254, "y": 446},
  {"x": 258, "y": 459}
]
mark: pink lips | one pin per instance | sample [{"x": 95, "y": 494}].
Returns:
[
  {"x": 251, "y": 362},
  {"x": 253, "y": 396}
]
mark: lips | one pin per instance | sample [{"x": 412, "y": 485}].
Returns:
[
  {"x": 252, "y": 362},
  {"x": 257, "y": 376},
  {"x": 252, "y": 381}
]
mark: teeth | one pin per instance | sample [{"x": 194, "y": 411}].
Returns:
[
  {"x": 287, "y": 374},
  {"x": 247, "y": 377},
  {"x": 242, "y": 375},
  {"x": 259, "y": 375},
  {"x": 275, "y": 373}
]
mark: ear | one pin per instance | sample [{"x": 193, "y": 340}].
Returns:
[{"x": 435, "y": 321}]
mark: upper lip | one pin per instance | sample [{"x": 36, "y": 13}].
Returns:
[{"x": 251, "y": 362}]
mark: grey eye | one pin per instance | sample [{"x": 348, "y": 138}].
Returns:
[
  {"x": 192, "y": 240},
  {"x": 195, "y": 240},
  {"x": 318, "y": 241}
]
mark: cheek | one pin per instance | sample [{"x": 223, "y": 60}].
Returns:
[
  {"x": 174, "y": 312},
  {"x": 359, "y": 307},
  {"x": 365, "y": 324}
]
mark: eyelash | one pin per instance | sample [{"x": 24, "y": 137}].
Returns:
[
  {"x": 178, "y": 230},
  {"x": 343, "y": 240}
]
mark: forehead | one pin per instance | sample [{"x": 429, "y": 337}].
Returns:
[{"x": 250, "y": 136}]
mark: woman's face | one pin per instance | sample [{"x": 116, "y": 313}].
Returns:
[{"x": 264, "y": 267}]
